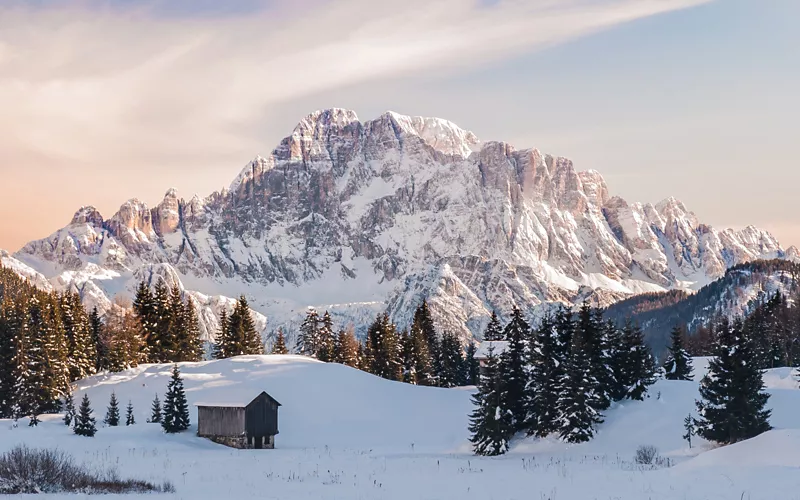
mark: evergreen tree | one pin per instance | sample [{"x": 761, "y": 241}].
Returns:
[
  {"x": 279, "y": 347},
  {"x": 541, "y": 391},
  {"x": 69, "y": 409},
  {"x": 420, "y": 362},
  {"x": 733, "y": 401},
  {"x": 223, "y": 341},
  {"x": 155, "y": 411},
  {"x": 494, "y": 330},
  {"x": 471, "y": 365},
  {"x": 491, "y": 426},
  {"x": 578, "y": 400},
  {"x": 688, "y": 426},
  {"x": 243, "y": 329},
  {"x": 129, "y": 419},
  {"x": 638, "y": 370},
  {"x": 189, "y": 344},
  {"x": 452, "y": 360},
  {"x": 176, "y": 409},
  {"x": 145, "y": 309},
  {"x": 589, "y": 327},
  {"x": 160, "y": 344},
  {"x": 423, "y": 322},
  {"x": 9, "y": 330},
  {"x": 346, "y": 351},
  {"x": 82, "y": 351},
  {"x": 326, "y": 339},
  {"x": 617, "y": 359},
  {"x": 513, "y": 368},
  {"x": 122, "y": 340},
  {"x": 112, "y": 414},
  {"x": 678, "y": 365},
  {"x": 84, "y": 422},
  {"x": 308, "y": 341},
  {"x": 96, "y": 333}
]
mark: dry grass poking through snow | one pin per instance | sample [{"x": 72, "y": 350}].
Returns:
[{"x": 32, "y": 470}]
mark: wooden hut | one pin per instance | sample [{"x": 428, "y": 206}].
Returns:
[{"x": 240, "y": 424}]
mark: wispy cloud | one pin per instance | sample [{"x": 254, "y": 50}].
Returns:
[{"x": 87, "y": 83}]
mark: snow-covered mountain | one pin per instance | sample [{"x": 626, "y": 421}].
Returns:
[{"x": 357, "y": 217}]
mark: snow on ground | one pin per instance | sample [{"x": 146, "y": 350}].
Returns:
[{"x": 345, "y": 434}]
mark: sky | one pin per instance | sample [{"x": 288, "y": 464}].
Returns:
[{"x": 102, "y": 101}]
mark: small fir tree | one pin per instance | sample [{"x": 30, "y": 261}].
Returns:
[
  {"x": 578, "y": 400},
  {"x": 129, "y": 419},
  {"x": 34, "y": 420},
  {"x": 112, "y": 414},
  {"x": 84, "y": 422},
  {"x": 69, "y": 409},
  {"x": 471, "y": 365},
  {"x": 678, "y": 365},
  {"x": 176, "y": 409},
  {"x": 688, "y": 426},
  {"x": 494, "y": 330},
  {"x": 155, "y": 411},
  {"x": 733, "y": 401},
  {"x": 279, "y": 347},
  {"x": 451, "y": 360},
  {"x": 639, "y": 367},
  {"x": 490, "y": 425},
  {"x": 513, "y": 368},
  {"x": 541, "y": 393}
]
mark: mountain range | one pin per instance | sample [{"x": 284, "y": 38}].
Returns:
[{"x": 360, "y": 217}]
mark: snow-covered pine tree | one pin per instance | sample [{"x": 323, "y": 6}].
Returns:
[
  {"x": 8, "y": 330},
  {"x": 155, "y": 411},
  {"x": 145, "y": 309},
  {"x": 308, "y": 340},
  {"x": 733, "y": 401},
  {"x": 84, "y": 422},
  {"x": 678, "y": 365},
  {"x": 176, "y": 409},
  {"x": 112, "y": 413},
  {"x": 578, "y": 400},
  {"x": 494, "y": 330},
  {"x": 451, "y": 360},
  {"x": 542, "y": 390},
  {"x": 82, "y": 351},
  {"x": 513, "y": 368},
  {"x": 326, "y": 338},
  {"x": 639, "y": 367},
  {"x": 222, "y": 343},
  {"x": 279, "y": 346},
  {"x": 69, "y": 409},
  {"x": 589, "y": 327},
  {"x": 129, "y": 418},
  {"x": 423, "y": 321},
  {"x": 407, "y": 347},
  {"x": 617, "y": 358},
  {"x": 160, "y": 342},
  {"x": 471, "y": 366},
  {"x": 491, "y": 425}
]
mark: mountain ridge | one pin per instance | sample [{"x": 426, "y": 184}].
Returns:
[{"x": 360, "y": 217}]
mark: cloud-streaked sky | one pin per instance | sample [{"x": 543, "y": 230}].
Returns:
[{"x": 101, "y": 101}]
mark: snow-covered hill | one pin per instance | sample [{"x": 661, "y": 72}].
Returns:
[
  {"x": 348, "y": 434},
  {"x": 358, "y": 217}
]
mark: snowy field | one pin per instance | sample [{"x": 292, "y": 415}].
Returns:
[{"x": 345, "y": 434}]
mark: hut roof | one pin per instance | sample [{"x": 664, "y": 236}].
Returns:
[{"x": 235, "y": 401}]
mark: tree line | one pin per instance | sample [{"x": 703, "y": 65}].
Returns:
[
  {"x": 556, "y": 378},
  {"x": 420, "y": 355},
  {"x": 48, "y": 339}
]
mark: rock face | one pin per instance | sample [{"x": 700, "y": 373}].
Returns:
[{"x": 359, "y": 217}]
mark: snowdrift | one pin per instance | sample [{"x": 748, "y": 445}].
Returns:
[{"x": 324, "y": 404}]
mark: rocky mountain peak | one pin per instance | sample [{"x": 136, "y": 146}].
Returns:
[{"x": 88, "y": 215}]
